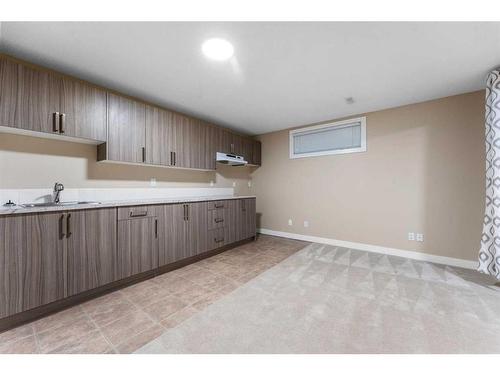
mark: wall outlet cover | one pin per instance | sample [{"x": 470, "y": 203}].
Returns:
[
  {"x": 420, "y": 237},
  {"x": 249, "y": 183},
  {"x": 212, "y": 183},
  {"x": 290, "y": 222},
  {"x": 411, "y": 236},
  {"x": 306, "y": 224},
  {"x": 152, "y": 182},
  {"x": 234, "y": 183}
]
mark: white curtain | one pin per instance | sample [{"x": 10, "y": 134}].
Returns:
[{"x": 489, "y": 255}]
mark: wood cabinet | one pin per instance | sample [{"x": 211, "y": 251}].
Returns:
[
  {"x": 137, "y": 244},
  {"x": 256, "y": 153},
  {"x": 83, "y": 110},
  {"x": 47, "y": 257},
  {"x": 159, "y": 136},
  {"x": 29, "y": 98},
  {"x": 91, "y": 249},
  {"x": 182, "y": 231},
  {"x": 31, "y": 261},
  {"x": 42, "y": 101},
  {"x": 126, "y": 130}
]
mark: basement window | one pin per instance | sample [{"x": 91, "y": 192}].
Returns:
[{"x": 340, "y": 137}]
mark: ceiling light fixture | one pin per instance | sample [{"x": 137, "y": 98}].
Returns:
[{"x": 217, "y": 49}]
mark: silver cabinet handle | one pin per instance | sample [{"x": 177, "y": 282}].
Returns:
[
  {"x": 218, "y": 220},
  {"x": 62, "y": 117},
  {"x": 62, "y": 227},
  {"x": 68, "y": 226},
  {"x": 156, "y": 228},
  {"x": 55, "y": 122},
  {"x": 144, "y": 154},
  {"x": 172, "y": 158},
  {"x": 219, "y": 205},
  {"x": 138, "y": 214}
]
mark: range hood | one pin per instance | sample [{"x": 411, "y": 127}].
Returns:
[{"x": 230, "y": 159}]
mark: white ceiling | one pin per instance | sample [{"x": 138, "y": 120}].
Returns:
[{"x": 282, "y": 74}]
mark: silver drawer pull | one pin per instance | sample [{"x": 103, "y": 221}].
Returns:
[
  {"x": 218, "y": 220},
  {"x": 138, "y": 214},
  {"x": 217, "y": 241},
  {"x": 219, "y": 205}
]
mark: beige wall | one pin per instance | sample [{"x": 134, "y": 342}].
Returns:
[
  {"x": 29, "y": 162},
  {"x": 423, "y": 172}
]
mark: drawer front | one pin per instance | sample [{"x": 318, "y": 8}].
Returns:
[
  {"x": 215, "y": 205},
  {"x": 217, "y": 218},
  {"x": 216, "y": 238},
  {"x": 125, "y": 213}
]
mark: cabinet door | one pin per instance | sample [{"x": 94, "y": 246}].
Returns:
[
  {"x": 225, "y": 143},
  {"x": 126, "y": 129},
  {"x": 250, "y": 220},
  {"x": 247, "y": 149},
  {"x": 29, "y": 98},
  {"x": 91, "y": 248},
  {"x": 232, "y": 208},
  {"x": 84, "y": 109},
  {"x": 158, "y": 134},
  {"x": 44, "y": 263},
  {"x": 211, "y": 144},
  {"x": 171, "y": 233},
  {"x": 137, "y": 246},
  {"x": 256, "y": 153},
  {"x": 197, "y": 228},
  {"x": 13, "y": 252},
  {"x": 192, "y": 145}
]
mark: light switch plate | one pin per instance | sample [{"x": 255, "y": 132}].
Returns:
[
  {"x": 420, "y": 237},
  {"x": 411, "y": 236}
]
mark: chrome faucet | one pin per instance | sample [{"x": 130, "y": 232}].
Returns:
[{"x": 58, "y": 187}]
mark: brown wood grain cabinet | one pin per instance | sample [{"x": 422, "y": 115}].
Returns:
[
  {"x": 126, "y": 130},
  {"x": 159, "y": 136},
  {"x": 46, "y": 257},
  {"x": 137, "y": 246},
  {"x": 83, "y": 110},
  {"x": 42, "y": 101},
  {"x": 182, "y": 231},
  {"x": 29, "y": 98},
  {"x": 91, "y": 249}
]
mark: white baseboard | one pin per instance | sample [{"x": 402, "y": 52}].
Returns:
[{"x": 456, "y": 262}]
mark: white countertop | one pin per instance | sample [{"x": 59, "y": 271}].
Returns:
[{"x": 9, "y": 210}]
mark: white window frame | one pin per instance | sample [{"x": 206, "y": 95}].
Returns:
[{"x": 336, "y": 124}]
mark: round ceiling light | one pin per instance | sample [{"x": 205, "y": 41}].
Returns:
[{"x": 217, "y": 49}]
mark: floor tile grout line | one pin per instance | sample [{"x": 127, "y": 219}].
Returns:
[{"x": 99, "y": 330}]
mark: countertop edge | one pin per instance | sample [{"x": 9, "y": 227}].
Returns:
[{"x": 17, "y": 210}]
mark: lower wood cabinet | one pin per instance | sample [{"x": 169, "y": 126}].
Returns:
[
  {"x": 182, "y": 231},
  {"x": 46, "y": 257},
  {"x": 91, "y": 249},
  {"x": 137, "y": 246}
]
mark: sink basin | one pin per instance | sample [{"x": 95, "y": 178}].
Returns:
[{"x": 52, "y": 204}]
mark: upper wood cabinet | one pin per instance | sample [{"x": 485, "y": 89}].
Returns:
[
  {"x": 42, "y": 101},
  {"x": 159, "y": 136},
  {"x": 29, "y": 98},
  {"x": 126, "y": 130},
  {"x": 83, "y": 110}
]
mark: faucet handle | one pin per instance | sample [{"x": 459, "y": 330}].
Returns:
[{"x": 58, "y": 187}]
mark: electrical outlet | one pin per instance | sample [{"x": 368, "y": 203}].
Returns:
[
  {"x": 306, "y": 224},
  {"x": 212, "y": 183},
  {"x": 234, "y": 183},
  {"x": 411, "y": 236},
  {"x": 152, "y": 182},
  {"x": 420, "y": 237},
  {"x": 290, "y": 222},
  {"x": 249, "y": 183}
]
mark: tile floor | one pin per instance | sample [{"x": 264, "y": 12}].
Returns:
[{"x": 125, "y": 320}]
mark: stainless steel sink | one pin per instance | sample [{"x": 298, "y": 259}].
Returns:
[{"x": 53, "y": 204}]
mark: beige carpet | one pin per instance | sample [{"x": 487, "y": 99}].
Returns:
[{"x": 325, "y": 299}]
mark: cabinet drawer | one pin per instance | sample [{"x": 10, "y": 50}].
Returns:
[
  {"x": 125, "y": 213},
  {"x": 216, "y": 238},
  {"x": 214, "y": 205},
  {"x": 217, "y": 218}
]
